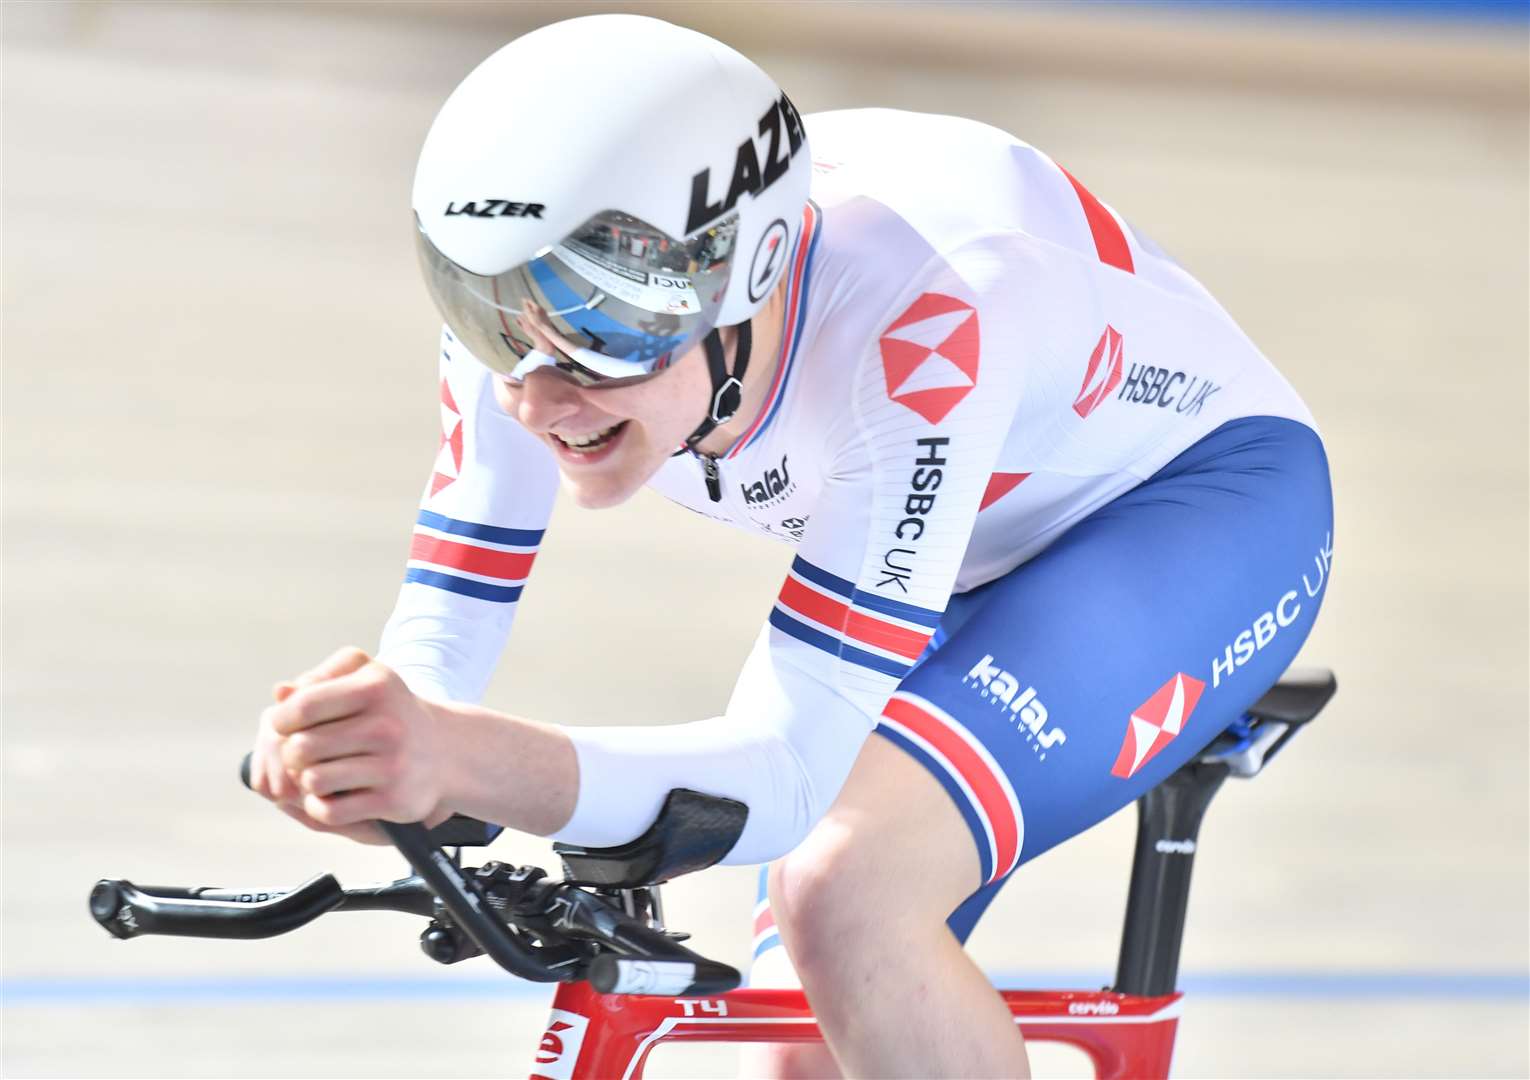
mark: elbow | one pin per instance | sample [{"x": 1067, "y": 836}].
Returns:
[{"x": 801, "y": 799}]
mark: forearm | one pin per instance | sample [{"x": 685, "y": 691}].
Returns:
[
  {"x": 505, "y": 769},
  {"x": 626, "y": 774}
]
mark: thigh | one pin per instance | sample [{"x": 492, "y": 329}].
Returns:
[{"x": 1066, "y": 689}]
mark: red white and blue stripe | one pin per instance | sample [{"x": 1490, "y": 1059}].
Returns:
[
  {"x": 798, "y": 278},
  {"x": 766, "y": 936},
  {"x": 483, "y": 561},
  {"x": 829, "y": 613},
  {"x": 967, "y": 771}
]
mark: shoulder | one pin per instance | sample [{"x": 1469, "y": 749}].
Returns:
[
  {"x": 910, "y": 195},
  {"x": 944, "y": 177}
]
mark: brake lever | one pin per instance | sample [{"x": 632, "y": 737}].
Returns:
[{"x": 464, "y": 899}]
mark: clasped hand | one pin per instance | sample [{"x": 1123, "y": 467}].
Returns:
[{"x": 347, "y": 744}]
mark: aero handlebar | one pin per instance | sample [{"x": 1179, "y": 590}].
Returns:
[{"x": 539, "y": 930}]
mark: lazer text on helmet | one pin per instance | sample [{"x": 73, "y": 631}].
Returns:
[
  {"x": 747, "y": 173},
  {"x": 496, "y": 208}
]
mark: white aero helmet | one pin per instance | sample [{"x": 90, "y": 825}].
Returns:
[{"x": 638, "y": 182}]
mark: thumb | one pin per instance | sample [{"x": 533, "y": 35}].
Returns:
[{"x": 341, "y": 662}]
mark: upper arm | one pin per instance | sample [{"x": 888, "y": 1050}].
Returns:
[{"x": 477, "y": 530}]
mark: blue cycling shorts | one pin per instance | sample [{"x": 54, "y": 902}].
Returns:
[{"x": 1053, "y": 696}]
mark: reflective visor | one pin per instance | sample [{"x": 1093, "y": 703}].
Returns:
[{"x": 625, "y": 298}]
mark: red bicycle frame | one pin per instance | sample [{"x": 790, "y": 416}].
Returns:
[{"x": 609, "y": 1036}]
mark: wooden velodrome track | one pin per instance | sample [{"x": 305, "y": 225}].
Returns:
[{"x": 219, "y": 408}]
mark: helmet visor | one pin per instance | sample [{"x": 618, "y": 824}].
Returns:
[{"x": 623, "y": 297}]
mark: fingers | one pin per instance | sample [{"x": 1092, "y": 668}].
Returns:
[
  {"x": 344, "y": 775},
  {"x": 364, "y": 832},
  {"x": 268, "y": 776},
  {"x": 339, "y": 695},
  {"x": 340, "y": 662},
  {"x": 334, "y": 742},
  {"x": 346, "y": 744},
  {"x": 338, "y": 812}
]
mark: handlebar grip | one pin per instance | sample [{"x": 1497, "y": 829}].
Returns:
[
  {"x": 126, "y": 911},
  {"x": 613, "y": 975}
]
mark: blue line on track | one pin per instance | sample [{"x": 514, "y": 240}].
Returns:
[{"x": 257, "y": 989}]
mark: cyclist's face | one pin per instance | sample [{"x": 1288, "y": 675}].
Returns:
[{"x": 609, "y": 440}]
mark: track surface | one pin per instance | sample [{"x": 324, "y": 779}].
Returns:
[{"x": 219, "y": 408}]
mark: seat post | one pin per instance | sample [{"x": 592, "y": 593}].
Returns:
[{"x": 1168, "y": 823}]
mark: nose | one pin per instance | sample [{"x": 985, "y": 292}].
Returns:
[{"x": 544, "y": 400}]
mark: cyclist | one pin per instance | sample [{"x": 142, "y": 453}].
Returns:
[{"x": 1057, "y": 521}]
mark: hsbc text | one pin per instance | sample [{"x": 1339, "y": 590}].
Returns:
[
  {"x": 897, "y": 562},
  {"x": 1146, "y": 385},
  {"x": 1267, "y": 624}
]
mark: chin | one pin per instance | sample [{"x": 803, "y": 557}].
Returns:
[{"x": 599, "y": 493}]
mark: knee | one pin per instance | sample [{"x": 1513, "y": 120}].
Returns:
[{"x": 819, "y": 895}]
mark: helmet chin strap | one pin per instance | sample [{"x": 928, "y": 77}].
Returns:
[{"x": 727, "y": 388}]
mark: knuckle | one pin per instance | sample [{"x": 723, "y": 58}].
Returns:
[
  {"x": 298, "y": 750},
  {"x": 319, "y": 809},
  {"x": 375, "y": 676},
  {"x": 351, "y": 656}
]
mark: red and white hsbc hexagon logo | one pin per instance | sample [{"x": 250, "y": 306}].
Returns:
[
  {"x": 1103, "y": 374},
  {"x": 1155, "y": 722},
  {"x": 930, "y": 355},
  {"x": 449, "y": 459},
  {"x": 559, "y": 1050}
]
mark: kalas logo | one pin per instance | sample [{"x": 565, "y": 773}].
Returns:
[
  {"x": 1000, "y": 686},
  {"x": 1155, "y": 722},
  {"x": 449, "y": 459},
  {"x": 930, "y": 355},
  {"x": 1103, "y": 374},
  {"x": 772, "y": 486}
]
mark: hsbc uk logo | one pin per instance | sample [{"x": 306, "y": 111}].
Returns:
[
  {"x": 1103, "y": 374},
  {"x": 1154, "y": 724},
  {"x": 1025, "y": 709},
  {"x": 1144, "y": 385},
  {"x": 930, "y": 355}
]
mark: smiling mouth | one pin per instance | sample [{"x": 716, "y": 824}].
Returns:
[{"x": 591, "y": 443}]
